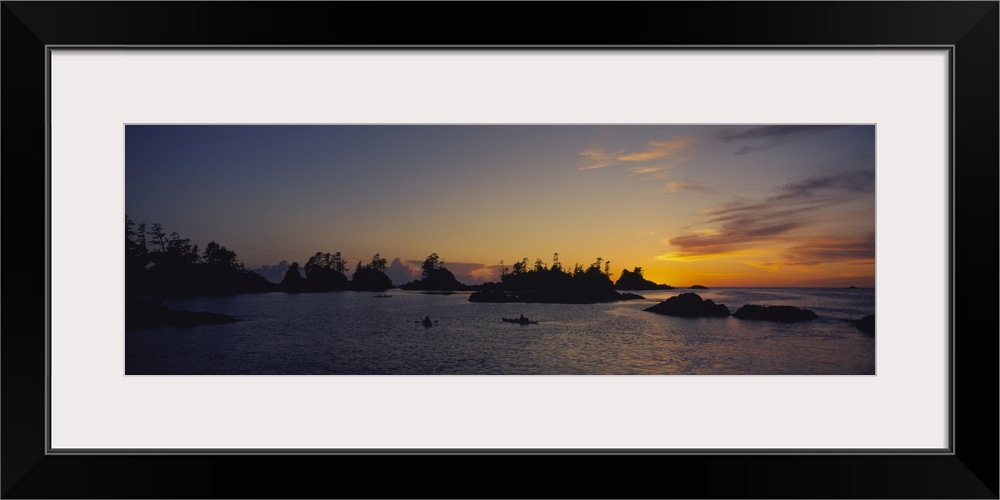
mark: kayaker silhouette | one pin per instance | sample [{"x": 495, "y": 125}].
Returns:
[{"x": 427, "y": 321}]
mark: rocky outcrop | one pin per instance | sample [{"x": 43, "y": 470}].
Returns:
[
  {"x": 689, "y": 305},
  {"x": 370, "y": 280},
  {"x": 150, "y": 314},
  {"x": 633, "y": 280},
  {"x": 866, "y": 325},
  {"x": 782, "y": 314},
  {"x": 439, "y": 280}
]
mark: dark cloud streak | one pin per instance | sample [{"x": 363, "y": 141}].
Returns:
[{"x": 769, "y": 136}]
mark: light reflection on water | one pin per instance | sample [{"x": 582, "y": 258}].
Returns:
[{"x": 353, "y": 333}]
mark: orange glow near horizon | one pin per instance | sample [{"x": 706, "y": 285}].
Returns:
[{"x": 736, "y": 273}]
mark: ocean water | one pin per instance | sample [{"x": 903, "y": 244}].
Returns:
[{"x": 354, "y": 333}]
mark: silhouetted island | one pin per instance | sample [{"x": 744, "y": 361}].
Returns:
[
  {"x": 633, "y": 280},
  {"x": 689, "y": 305},
  {"x": 783, "y": 314},
  {"x": 543, "y": 284},
  {"x": 699, "y": 287},
  {"x": 435, "y": 277},
  {"x": 370, "y": 280}
]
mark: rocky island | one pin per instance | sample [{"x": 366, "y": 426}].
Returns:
[
  {"x": 435, "y": 277},
  {"x": 689, "y": 305},
  {"x": 782, "y": 314},
  {"x": 552, "y": 285},
  {"x": 633, "y": 280}
]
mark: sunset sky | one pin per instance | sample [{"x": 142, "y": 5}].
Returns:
[{"x": 726, "y": 205}]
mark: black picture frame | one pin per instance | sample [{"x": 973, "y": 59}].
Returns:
[{"x": 970, "y": 29}]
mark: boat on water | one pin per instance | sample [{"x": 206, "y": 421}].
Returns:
[{"x": 522, "y": 320}]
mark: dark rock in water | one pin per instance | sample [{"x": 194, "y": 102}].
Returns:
[
  {"x": 149, "y": 314},
  {"x": 689, "y": 305},
  {"x": 783, "y": 314},
  {"x": 699, "y": 287},
  {"x": 631, "y": 296},
  {"x": 866, "y": 324}
]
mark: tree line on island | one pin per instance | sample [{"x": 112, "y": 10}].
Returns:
[
  {"x": 168, "y": 265},
  {"x": 159, "y": 264},
  {"x": 552, "y": 284}
]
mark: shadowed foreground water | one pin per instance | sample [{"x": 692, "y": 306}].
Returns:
[{"x": 354, "y": 333}]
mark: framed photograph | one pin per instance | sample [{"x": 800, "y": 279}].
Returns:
[{"x": 785, "y": 196}]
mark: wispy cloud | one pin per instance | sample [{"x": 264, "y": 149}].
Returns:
[
  {"x": 859, "y": 181},
  {"x": 655, "y": 151},
  {"x": 819, "y": 251},
  {"x": 789, "y": 218},
  {"x": 768, "y": 136},
  {"x": 645, "y": 170},
  {"x": 686, "y": 185},
  {"x": 835, "y": 249},
  {"x": 593, "y": 159}
]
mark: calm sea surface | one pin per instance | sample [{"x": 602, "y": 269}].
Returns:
[{"x": 354, "y": 333}]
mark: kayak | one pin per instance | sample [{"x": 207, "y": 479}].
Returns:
[{"x": 523, "y": 321}]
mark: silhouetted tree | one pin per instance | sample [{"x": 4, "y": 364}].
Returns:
[
  {"x": 135, "y": 241},
  {"x": 378, "y": 264},
  {"x": 218, "y": 255},
  {"x": 159, "y": 237},
  {"x": 431, "y": 263},
  {"x": 540, "y": 266},
  {"x": 596, "y": 264},
  {"x": 181, "y": 250},
  {"x": 324, "y": 272},
  {"x": 317, "y": 264},
  {"x": 129, "y": 231},
  {"x": 338, "y": 263},
  {"x": 520, "y": 266},
  {"x": 556, "y": 266}
]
